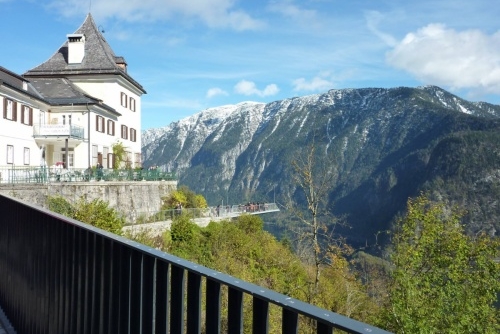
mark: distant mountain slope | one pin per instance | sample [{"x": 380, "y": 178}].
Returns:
[{"x": 384, "y": 145}]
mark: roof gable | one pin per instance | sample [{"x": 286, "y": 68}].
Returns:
[{"x": 98, "y": 58}]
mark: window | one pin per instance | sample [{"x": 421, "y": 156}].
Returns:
[
  {"x": 133, "y": 135},
  {"x": 10, "y": 154},
  {"x": 111, "y": 127},
  {"x": 27, "y": 115},
  {"x": 110, "y": 160},
  {"x": 9, "y": 109},
  {"x": 26, "y": 156},
  {"x": 124, "y": 132},
  {"x": 132, "y": 104},
  {"x": 99, "y": 123},
  {"x": 71, "y": 157},
  {"x": 41, "y": 117},
  {"x": 94, "y": 155},
  {"x": 128, "y": 162},
  {"x": 105, "y": 154},
  {"x": 124, "y": 100},
  {"x": 138, "y": 160}
]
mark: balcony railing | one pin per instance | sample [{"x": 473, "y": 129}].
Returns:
[
  {"x": 58, "y": 130},
  {"x": 28, "y": 174},
  {"x": 59, "y": 275}
]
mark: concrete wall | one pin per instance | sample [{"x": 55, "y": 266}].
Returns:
[{"x": 128, "y": 198}]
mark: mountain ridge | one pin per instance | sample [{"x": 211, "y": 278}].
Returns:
[{"x": 379, "y": 143}]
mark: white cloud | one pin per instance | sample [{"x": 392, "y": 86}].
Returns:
[
  {"x": 438, "y": 55},
  {"x": 373, "y": 18},
  {"x": 249, "y": 88},
  {"x": 215, "y": 91},
  {"x": 213, "y": 13},
  {"x": 306, "y": 18},
  {"x": 288, "y": 9},
  {"x": 318, "y": 83}
]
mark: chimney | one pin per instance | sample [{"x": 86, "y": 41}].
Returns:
[{"x": 76, "y": 48}]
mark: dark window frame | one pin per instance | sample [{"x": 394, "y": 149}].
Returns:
[
  {"x": 30, "y": 115},
  {"x": 133, "y": 135},
  {"x": 99, "y": 124},
  {"x": 132, "y": 104},
  {"x": 124, "y": 100},
  {"x": 13, "y": 116},
  {"x": 111, "y": 127},
  {"x": 124, "y": 132}
]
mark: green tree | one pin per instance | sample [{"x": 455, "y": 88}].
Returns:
[
  {"x": 60, "y": 205},
  {"x": 184, "y": 196},
  {"x": 119, "y": 155},
  {"x": 443, "y": 280},
  {"x": 96, "y": 213}
]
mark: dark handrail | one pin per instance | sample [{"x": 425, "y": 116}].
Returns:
[{"x": 59, "y": 275}]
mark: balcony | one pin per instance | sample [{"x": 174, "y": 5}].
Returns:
[
  {"x": 62, "y": 276},
  {"x": 50, "y": 131}
]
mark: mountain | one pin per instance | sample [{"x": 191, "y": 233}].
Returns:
[{"x": 383, "y": 145}]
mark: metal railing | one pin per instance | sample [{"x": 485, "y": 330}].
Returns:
[
  {"x": 58, "y": 130},
  {"x": 59, "y": 275},
  {"x": 29, "y": 174},
  {"x": 226, "y": 211}
]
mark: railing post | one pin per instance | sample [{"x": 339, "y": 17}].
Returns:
[
  {"x": 289, "y": 322},
  {"x": 135, "y": 292},
  {"x": 213, "y": 308},
  {"x": 162, "y": 296},
  {"x": 260, "y": 317},
  {"x": 147, "y": 303},
  {"x": 235, "y": 311},
  {"x": 194, "y": 304},
  {"x": 177, "y": 300}
]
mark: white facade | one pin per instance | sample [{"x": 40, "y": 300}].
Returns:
[
  {"x": 65, "y": 105},
  {"x": 17, "y": 145},
  {"x": 34, "y": 134}
]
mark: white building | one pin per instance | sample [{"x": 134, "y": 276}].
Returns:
[{"x": 81, "y": 101}]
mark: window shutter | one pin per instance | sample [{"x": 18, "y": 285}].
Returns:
[
  {"x": 14, "y": 111},
  {"x": 31, "y": 116}
]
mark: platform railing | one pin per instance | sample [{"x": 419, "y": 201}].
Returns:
[
  {"x": 59, "y": 275},
  {"x": 227, "y": 211}
]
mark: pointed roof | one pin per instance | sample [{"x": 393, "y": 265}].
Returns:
[{"x": 99, "y": 58}]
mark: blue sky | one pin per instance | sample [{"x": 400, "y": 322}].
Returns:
[{"x": 195, "y": 54}]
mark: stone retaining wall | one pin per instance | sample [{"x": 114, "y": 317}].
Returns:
[{"x": 126, "y": 197}]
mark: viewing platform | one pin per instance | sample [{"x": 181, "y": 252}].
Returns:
[{"x": 157, "y": 223}]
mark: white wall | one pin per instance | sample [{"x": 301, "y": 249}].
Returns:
[
  {"x": 110, "y": 91},
  {"x": 18, "y": 135}
]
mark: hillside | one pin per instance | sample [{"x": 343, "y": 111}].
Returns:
[{"x": 384, "y": 146}]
